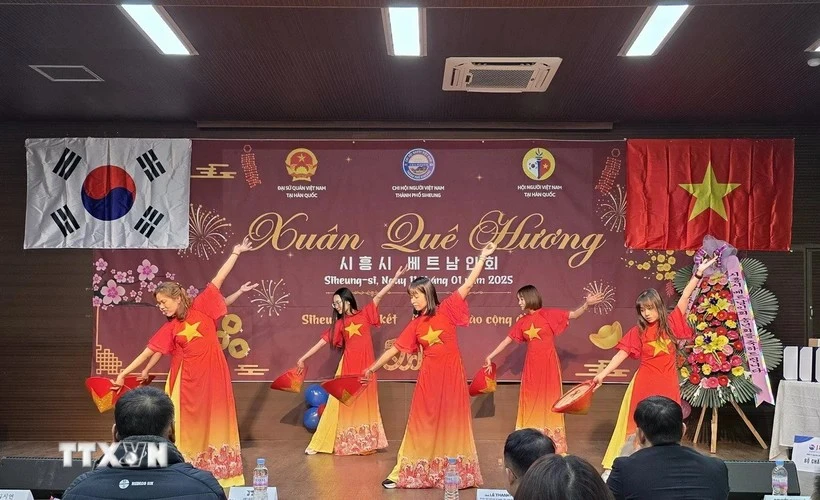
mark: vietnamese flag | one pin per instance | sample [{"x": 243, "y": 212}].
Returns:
[{"x": 737, "y": 190}]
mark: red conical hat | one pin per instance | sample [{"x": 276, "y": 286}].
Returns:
[
  {"x": 483, "y": 382},
  {"x": 345, "y": 388},
  {"x": 290, "y": 381},
  {"x": 577, "y": 400}
]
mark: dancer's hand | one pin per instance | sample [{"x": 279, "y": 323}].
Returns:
[
  {"x": 143, "y": 376},
  {"x": 705, "y": 265},
  {"x": 300, "y": 366},
  {"x": 594, "y": 298},
  {"x": 366, "y": 376},
  {"x": 488, "y": 364},
  {"x": 243, "y": 247},
  {"x": 247, "y": 287},
  {"x": 118, "y": 383},
  {"x": 599, "y": 381},
  {"x": 400, "y": 271},
  {"x": 488, "y": 249}
]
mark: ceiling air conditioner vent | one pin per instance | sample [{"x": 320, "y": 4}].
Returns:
[{"x": 499, "y": 74}]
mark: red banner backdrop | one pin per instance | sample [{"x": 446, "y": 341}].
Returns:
[{"x": 327, "y": 214}]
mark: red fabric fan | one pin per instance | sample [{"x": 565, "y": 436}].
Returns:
[
  {"x": 290, "y": 381},
  {"x": 483, "y": 382},
  {"x": 345, "y": 388},
  {"x": 104, "y": 394},
  {"x": 577, "y": 400}
]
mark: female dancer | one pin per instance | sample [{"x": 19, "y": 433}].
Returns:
[
  {"x": 199, "y": 382},
  {"x": 541, "y": 377},
  {"x": 654, "y": 342},
  {"x": 356, "y": 429},
  {"x": 440, "y": 424}
]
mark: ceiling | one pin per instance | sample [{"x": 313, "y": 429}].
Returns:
[{"x": 326, "y": 61}]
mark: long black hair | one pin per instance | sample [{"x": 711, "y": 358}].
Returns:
[{"x": 346, "y": 296}]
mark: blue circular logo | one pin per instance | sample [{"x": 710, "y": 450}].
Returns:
[
  {"x": 108, "y": 192},
  {"x": 418, "y": 164}
]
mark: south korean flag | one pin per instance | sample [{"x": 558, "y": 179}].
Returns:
[{"x": 107, "y": 193}]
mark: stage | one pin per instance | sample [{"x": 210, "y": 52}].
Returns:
[{"x": 270, "y": 427}]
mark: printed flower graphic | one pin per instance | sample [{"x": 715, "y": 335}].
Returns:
[
  {"x": 146, "y": 270},
  {"x": 112, "y": 293}
]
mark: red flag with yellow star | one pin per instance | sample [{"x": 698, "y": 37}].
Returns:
[{"x": 738, "y": 190}]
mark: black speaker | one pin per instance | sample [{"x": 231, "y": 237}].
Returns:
[
  {"x": 45, "y": 477},
  {"x": 752, "y": 479}
]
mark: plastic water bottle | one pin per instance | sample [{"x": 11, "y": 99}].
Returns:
[
  {"x": 260, "y": 480},
  {"x": 451, "y": 480},
  {"x": 780, "y": 479}
]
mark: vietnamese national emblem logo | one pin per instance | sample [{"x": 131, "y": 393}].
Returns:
[{"x": 301, "y": 164}]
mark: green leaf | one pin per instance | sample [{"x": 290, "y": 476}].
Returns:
[
  {"x": 764, "y": 305},
  {"x": 682, "y": 277},
  {"x": 754, "y": 271}
]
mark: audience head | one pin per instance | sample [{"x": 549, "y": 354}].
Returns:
[
  {"x": 144, "y": 411},
  {"x": 556, "y": 477},
  {"x": 522, "y": 449},
  {"x": 816, "y": 494},
  {"x": 659, "y": 421}
]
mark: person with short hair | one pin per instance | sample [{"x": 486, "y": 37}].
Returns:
[
  {"x": 144, "y": 417},
  {"x": 662, "y": 469},
  {"x": 557, "y": 477},
  {"x": 522, "y": 448}
]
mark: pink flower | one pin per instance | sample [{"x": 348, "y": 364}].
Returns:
[
  {"x": 96, "y": 302},
  {"x": 728, "y": 350},
  {"x": 112, "y": 293},
  {"x": 192, "y": 291},
  {"x": 130, "y": 278},
  {"x": 121, "y": 276},
  {"x": 712, "y": 382},
  {"x": 147, "y": 270},
  {"x": 170, "y": 276},
  {"x": 725, "y": 367},
  {"x": 100, "y": 264},
  {"x": 96, "y": 279},
  {"x": 736, "y": 361},
  {"x": 691, "y": 359},
  {"x": 151, "y": 287},
  {"x": 133, "y": 293},
  {"x": 143, "y": 284},
  {"x": 733, "y": 335}
]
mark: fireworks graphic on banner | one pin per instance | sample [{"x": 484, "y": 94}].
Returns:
[
  {"x": 612, "y": 209},
  {"x": 248, "y": 159},
  {"x": 606, "y": 305},
  {"x": 272, "y": 297},
  {"x": 612, "y": 168},
  {"x": 208, "y": 233}
]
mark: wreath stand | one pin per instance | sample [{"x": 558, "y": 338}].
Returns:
[{"x": 713, "y": 445}]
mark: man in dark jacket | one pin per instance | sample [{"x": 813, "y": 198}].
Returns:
[
  {"x": 144, "y": 427},
  {"x": 662, "y": 469}
]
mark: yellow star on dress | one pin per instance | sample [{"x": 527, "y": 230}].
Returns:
[
  {"x": 353, "y": 329},
  {"x": 709, "y": 194},
  {"x": 190, "y": 331},
  {"x": 432, "y": 336},
  {"x": 532, "y": 332},
  {"x": 660, "y": 345}
]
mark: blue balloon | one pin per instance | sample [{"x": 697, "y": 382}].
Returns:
[
  {"x": 315, "y": 395},
  {"x": 311, "y": 418}
]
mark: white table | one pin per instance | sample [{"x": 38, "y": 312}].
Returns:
[{"x": 796, "y": 413}]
